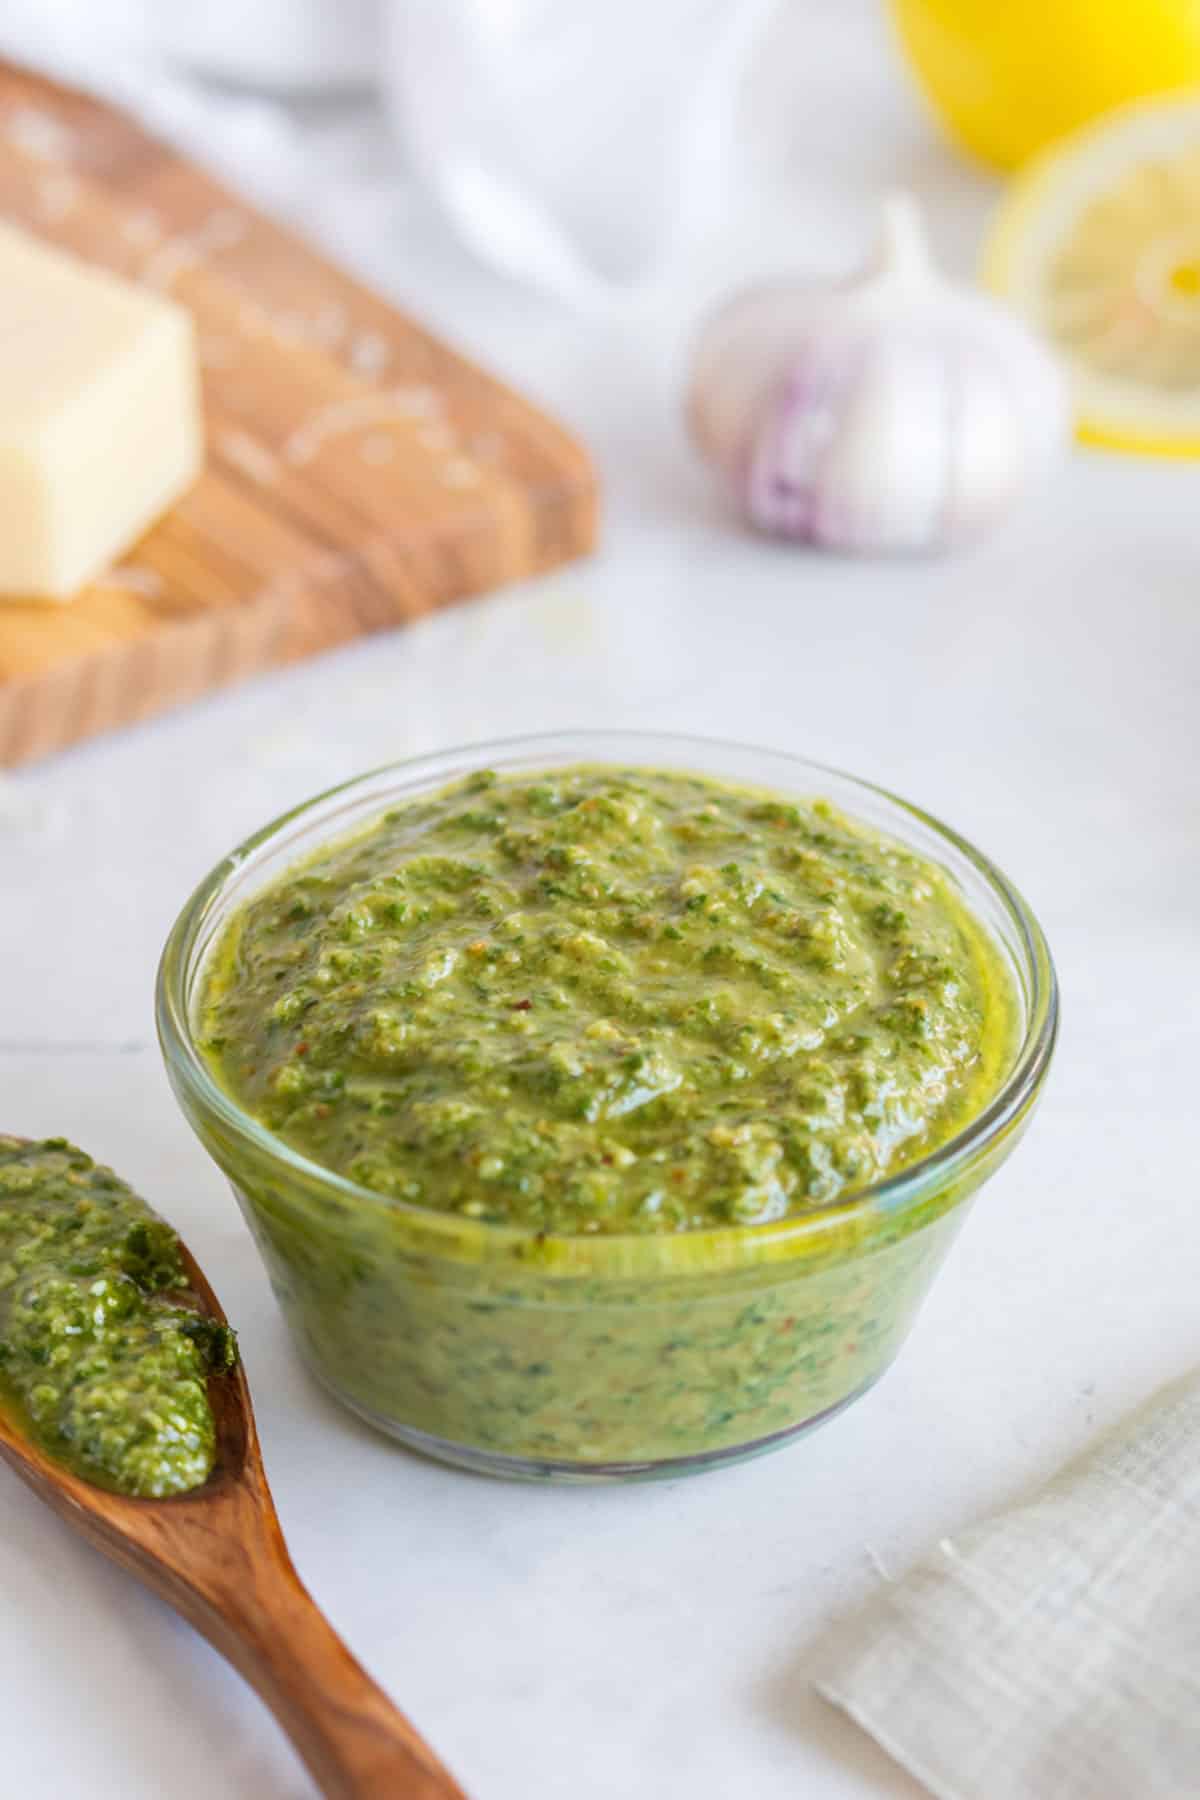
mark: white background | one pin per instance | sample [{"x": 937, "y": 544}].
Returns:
[{"x": 1039, "y": 693}]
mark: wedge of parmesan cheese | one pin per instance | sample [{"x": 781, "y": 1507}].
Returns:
[{"x": 100, "y": 426}]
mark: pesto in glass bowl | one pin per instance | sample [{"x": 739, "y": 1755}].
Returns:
[{"x": 603, "y": 1104}]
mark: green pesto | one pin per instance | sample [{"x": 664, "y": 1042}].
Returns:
[
  {"x": 615, "y": 1001},
  {"x": 101, "y": 1358}
]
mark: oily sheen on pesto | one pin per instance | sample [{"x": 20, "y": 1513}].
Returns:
[{"x": 604, "y": 1000}]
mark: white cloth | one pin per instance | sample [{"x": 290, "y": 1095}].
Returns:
[
  {"x": 572, "y": 143},
  {"x": 1051, "y": 1652},
  {"x": 578, "y": 146}
]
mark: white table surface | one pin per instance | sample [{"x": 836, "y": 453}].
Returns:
[{"x": 1040, "y": 693}]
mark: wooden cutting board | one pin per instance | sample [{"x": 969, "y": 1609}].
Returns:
[{"x": 359, "y": 473}]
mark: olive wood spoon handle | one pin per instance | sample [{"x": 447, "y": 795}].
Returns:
[{"x": 217, "y": 1555}]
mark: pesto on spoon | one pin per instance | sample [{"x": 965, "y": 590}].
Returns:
[
  {"x": 110, "y": 1332},
  {"x": 104, "y": 1358}
]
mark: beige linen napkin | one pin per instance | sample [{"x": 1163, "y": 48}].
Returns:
[{"x": 1051, "y": 1652}]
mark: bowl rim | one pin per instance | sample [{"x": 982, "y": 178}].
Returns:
[{"x": 936, "y": 1171}]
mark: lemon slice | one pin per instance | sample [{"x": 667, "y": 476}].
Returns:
[{"x": 1098, "y": 244}]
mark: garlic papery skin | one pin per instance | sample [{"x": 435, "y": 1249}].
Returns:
[{"x": 898, "y": 412}]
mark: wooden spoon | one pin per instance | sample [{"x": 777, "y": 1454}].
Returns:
[{"x": 217, "y": 1556}]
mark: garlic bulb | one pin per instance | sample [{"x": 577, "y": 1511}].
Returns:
[{"x": 894, "y": 412}]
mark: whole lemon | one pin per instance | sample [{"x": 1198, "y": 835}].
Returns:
[{"x": 1008, "y": 76}]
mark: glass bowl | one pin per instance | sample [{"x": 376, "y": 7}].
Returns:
[{"x": 600, "y": 1356}]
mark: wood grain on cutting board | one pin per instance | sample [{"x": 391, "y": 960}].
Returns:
[{"x": 359, "y": 472}]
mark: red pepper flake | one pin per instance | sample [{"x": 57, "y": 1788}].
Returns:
[
  {"x": 301, "y": 1049},
  {"x": 521, "y": 1005}
]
